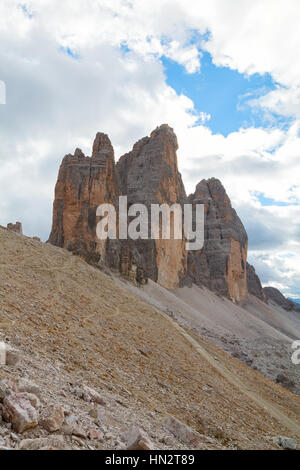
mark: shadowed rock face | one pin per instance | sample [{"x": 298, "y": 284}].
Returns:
[
  {"x": 148, "y": 175},
  {"x": 221, "y": 264},
  {"x": 254, "y": 284},
  {"x": 274, "y": 295}
]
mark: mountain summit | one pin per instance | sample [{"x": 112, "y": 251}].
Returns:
[{"x": 149, "y": 174}]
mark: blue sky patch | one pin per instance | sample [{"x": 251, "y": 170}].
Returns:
[
  {"x": 25, "y": 10},
  {"x": 266, "y": 201},
  {"x": 70, "y": 52},
  {"x": 221, "y": 92}
]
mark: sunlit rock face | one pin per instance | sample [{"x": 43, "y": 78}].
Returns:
[{"x": 83, "y": 183}]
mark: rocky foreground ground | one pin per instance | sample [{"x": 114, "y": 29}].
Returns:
[{"x": 88, "y": 365}]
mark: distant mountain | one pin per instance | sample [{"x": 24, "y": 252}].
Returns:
[{"x": 274, "y": 295}]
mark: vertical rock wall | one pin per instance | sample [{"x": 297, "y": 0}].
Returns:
[{"x": 221, "y": 264}]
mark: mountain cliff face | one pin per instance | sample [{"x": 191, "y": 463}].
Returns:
[
  {"x": 83, "y": 183},
  {"x": 148, "y": 175},
  {"x": 221, "y": 264},
  {"x": 254, "y": 285}
]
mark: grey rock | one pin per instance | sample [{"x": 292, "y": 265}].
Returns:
[
  {"x": 50, "y": 443},
  {"x": 285, "y": 381},
  {"x": 285, "y": 442},
  {"x": 182, "y": 431},
  {"x": 17, "y": 227},
  {"x": 221, "y": 264},
  {"x": 26, "y": 385},
  {"x": 136, "y": 439},
  {"x": 12, "y": 356},
  {"x": 72, "y": 426},
  {"x": 19, "y": 409}
]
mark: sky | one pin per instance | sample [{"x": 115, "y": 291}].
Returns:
[{"x": 224, "y": 75}]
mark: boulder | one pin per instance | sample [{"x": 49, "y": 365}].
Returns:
[
  {"x": 12, "y": 356},
  {"x": 101, "y": 416},
  {"x": 26, "y": 385},
  {"x": 88, "y": 394},
  {"x": 182, "y": 432},
  {"x": 9, "y": 356},
  {"x": 19, "y": 409},
  {"x": 72, "y": 426},
  {"x": 95, "y": 435},
  {"x": 52, "y": 418},
  {"x": 7, "y": 386},
  {"x": 44, "y": 443},
  {"x": 17, "y": 227},
  {"x": 136, "y": 439}
]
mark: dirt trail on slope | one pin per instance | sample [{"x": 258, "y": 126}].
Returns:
[
  {"x": 259, "y": 338},
  {"x": 228, "y": 375}
]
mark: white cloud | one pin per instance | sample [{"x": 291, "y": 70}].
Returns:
[
  {"x": 260, "y": 36},
  {"x": 251, "y": 163},
  {"x": 283, "y": 100},
  {"x": 56, "y": 103}
]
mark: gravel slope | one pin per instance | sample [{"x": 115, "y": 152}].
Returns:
[{"x": 74, "y": 324}]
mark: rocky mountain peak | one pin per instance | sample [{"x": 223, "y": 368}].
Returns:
[
  {"x": 102, "y": 146},
  {"x": 209, "y": 187},
  {"x": 148, "y": 174},
  {"x": 165, "y": 133},
  {"x": 79, "y": 154},
  {"x": 83, "y": 183},
  {"x": 221, "y": 264}
]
